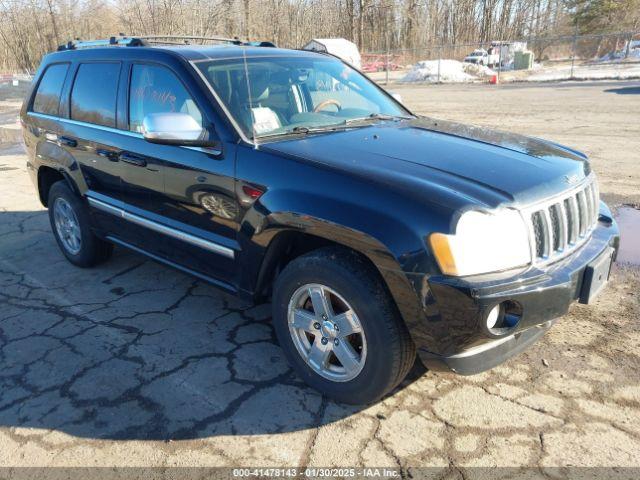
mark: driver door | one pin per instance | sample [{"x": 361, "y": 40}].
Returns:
[{"x": 186, "y": 193}]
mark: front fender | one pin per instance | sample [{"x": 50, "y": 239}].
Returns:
[{"x": 392, "y": 247}]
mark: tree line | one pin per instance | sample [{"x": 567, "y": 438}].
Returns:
[{"x": 30, "y": 28}]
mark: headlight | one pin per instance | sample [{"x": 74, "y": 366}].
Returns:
[{"x": 483, "y": 243}]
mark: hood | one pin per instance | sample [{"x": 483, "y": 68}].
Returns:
[{"x": 490, "y": 166}]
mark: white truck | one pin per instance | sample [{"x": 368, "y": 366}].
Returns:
[
  {"x": 481, "y": 57},
  {"x": 499, "y": 53}
]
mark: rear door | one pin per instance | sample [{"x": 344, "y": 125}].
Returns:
[{"x": 89, "y": 134}]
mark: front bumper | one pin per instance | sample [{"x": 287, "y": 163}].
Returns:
[{"x": 455, "y": 337}]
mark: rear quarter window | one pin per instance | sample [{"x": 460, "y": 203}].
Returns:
[
  {"x": 93, "y": 97},
  {"x": 47, "y": 98}
]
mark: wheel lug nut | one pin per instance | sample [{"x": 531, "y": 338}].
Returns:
[
  {"x": 324, "y": 316},
  {"x": 316, "y": 326},
  {"x": 336, "y": 342},
  {"x": 324, "y": 340}
]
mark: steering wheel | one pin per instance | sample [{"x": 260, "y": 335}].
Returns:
[{"x": 326, "y": 103}]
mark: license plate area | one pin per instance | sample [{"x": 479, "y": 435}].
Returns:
[{"x": 596, "y": 276}]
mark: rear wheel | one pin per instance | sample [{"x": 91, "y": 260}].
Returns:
[
  {"x": 339, "y": 328},
  {"x": 70, "y": 222}
]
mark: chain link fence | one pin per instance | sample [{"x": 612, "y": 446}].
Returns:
[
  {"x": 570, "y": 57},
  {"x": 14, "y": 86}
]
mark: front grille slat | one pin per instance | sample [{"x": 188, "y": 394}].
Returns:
[
  {"x": 588, "y": 193},
  {"x": 548, "y": 232},
  {"x": 561, "y": 225},
  {"x": 582, "y": 213},
  {"x": 574, "y": 219}
]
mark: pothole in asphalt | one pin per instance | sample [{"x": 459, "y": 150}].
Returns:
[{"x": 628, "y": 219}]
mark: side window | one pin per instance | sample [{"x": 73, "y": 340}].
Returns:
[
  {"x": 93, "y": 98},
  {"x": 47, "y": 97},
  {"x": 156, "y": 89}
]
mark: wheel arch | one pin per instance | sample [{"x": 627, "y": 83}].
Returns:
[
  {"x": 47, "y": 176},
  {"x": 287, "y": 242}
]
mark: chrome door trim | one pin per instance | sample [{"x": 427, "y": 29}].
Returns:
[
  {"x": 163, "y": 229},
  {"x": 127, "y": 133},
  {"x": 85, "y": 124}
]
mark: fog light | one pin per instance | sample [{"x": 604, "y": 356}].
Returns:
[
  {"x": 492, "y": 318},
  {"x": 502, "y": 318}
]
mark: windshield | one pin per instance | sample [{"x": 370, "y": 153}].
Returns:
[{"x": 279, "y": 95}]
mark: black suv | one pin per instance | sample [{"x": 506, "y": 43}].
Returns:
[{"x": 289, "y": 176}]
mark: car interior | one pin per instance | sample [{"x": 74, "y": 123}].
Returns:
[{"x": 268, "y": 97}]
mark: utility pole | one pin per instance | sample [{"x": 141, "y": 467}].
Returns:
[
  {"x": 386, "y": 66},
  {"x": 573, "y": 48},
  {"x": 247, "y": 19}
]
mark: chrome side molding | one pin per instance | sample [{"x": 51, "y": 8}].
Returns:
[{"x": 163, "y": 229}]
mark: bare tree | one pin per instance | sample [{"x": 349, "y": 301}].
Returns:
[{"x": 30, "y": 28}]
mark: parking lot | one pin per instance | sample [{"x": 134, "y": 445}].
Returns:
[{"x": 135, "y": 364}]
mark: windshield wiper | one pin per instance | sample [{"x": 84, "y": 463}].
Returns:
[
  {"x": 376, "y": 116},
  {"x": 300, "y": 130}
]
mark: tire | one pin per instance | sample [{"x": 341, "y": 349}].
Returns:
[
  {"x": 386, "y": 352},
  {"x": 88, "y": 250}
]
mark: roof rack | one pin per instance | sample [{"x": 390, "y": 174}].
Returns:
[
  {"x": 121, "y": 40},
  {"x": 187, "y": 39},
  {"x": 142, "y": 41}
]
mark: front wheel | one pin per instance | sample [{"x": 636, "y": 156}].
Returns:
[{"x": 339, "y": 328}]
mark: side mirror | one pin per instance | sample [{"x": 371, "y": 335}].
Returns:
[
  {"x": 396, "y": 96},
  {"x": 173, "y": 128}
]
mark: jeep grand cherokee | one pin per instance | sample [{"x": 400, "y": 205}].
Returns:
[{"x": 289, "y": 176}]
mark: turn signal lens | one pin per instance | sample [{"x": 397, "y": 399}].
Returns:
[{"x": 442, "y": 252}]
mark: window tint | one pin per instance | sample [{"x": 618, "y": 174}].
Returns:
[
  {"x": 93, "y": 98},
  {"x": 47, "y": 97},
  {"x": 155, "y": 89}
]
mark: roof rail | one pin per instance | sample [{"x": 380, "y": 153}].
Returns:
[
  {"x": 142, "y": 41},
  {"x": 120, "y": 40},
  {"x": 186, "y": 39}
]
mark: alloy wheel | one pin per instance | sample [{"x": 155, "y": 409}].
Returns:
[
  {"x": 327, "y": 332},
  {"x": 67, "y": 226}
]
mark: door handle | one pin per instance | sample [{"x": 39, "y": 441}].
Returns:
[
  {"x": 133, "y": 159},
  {"x": 68, "y": 141},
  {"x": 108, "y": 154}
]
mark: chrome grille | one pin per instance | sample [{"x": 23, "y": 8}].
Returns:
[{"x": 563, "y": 223}]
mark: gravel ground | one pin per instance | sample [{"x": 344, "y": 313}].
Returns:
[{"x": 134, "y": 364}]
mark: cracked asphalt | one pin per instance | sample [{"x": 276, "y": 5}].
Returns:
[{"x": 135, "y": 364}]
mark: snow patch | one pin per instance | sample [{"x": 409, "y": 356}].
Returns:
[
  {"x": 620, "y": 56},
  {"x": 618, "y": 71},
  {"x": 451, "y": 71}
]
